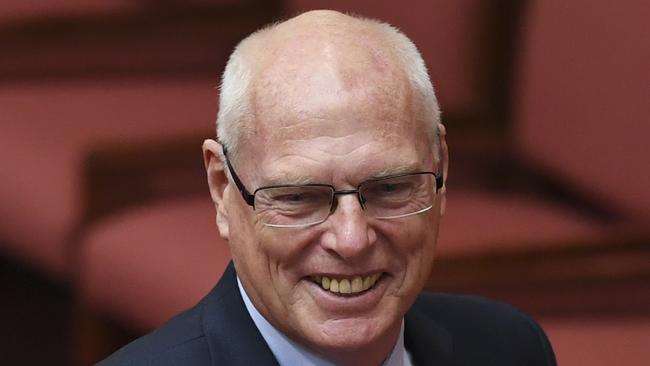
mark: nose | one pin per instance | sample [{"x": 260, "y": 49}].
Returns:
[{"x": 349, "y": 236}]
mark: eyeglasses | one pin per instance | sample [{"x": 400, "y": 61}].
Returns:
[{"x": 303, "y": 205}]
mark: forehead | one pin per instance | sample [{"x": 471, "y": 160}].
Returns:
[
  {"x": 341, "y": 161},
  {"x": 327, "y": 90},
  {"x": 346, "y": 143},
  {"x": 364, "y": 126}
]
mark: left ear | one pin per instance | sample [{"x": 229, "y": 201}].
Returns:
[{"x": 443, "y": 165}]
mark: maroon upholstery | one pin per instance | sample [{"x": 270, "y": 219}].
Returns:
[
  {"x": 584, "y": 89},
  {"x": 477, "y": 223},
  {"x": 147, "y": 264},
  {"x": 46, "y": 132},
  {"x": 19, "y": 10},
  {"x": 599, "y": 342}
]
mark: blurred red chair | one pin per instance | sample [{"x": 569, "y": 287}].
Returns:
[
  {"x": 148, "y": 263},
  {"x": 583, "y": 99},
  {"x": 77, "y": 77},
  {"x": 599, "y": 341},
  {"x": 46, "y": 133},
  {"x": 578, "y": 123},
  {"x": 582, "y": 89},
  {"x": 582, "y": 113}
]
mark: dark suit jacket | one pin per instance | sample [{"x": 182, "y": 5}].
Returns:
[{"x": 440, "y": 330}]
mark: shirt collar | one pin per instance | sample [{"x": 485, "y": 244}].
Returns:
[{"x": 287, "y": 352}]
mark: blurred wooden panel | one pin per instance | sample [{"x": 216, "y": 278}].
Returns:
[{"x": 161, "y": 41}]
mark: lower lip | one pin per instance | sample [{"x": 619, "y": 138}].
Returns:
[{"x": 348, "y": 304}]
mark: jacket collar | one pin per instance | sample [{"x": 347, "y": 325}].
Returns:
[
  {"x": 427, "y": 342},
  {"x": 232, "y": 336}
]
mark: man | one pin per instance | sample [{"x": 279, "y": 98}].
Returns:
[{"x": 328, "y": 181}]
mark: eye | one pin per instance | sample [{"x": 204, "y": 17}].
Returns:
[
  {"x": 393, "y": 189},
  {"x": 299, "y": 196},
  {"x": 388, "y": 187},
  {"x": 385, "y": 188},
  {"x": 292, "y": 198}
]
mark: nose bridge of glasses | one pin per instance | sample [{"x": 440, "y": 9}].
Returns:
[{"x": 345, "y": 192}]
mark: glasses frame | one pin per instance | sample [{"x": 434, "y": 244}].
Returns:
[{"x": 249, "y": 198}]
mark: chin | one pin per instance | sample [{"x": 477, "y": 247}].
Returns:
[{"x": 351, "y": 335}]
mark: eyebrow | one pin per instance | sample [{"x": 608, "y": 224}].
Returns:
[
  {"x": 395, "y": 170},
  {"x": 287, "y": 178},
  {"x": 293, "y": 178}
]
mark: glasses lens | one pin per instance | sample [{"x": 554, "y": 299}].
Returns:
[
  {"x": 399, "y": 196},
  {"x": 293, "y": 206}
]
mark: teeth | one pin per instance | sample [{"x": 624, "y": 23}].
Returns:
[
  {"x": 334, "y": 285},
  {"x": 325, "y": 282},
  {"x": 344, "y": 287},
  {"x": 366, "y": 282},
  {"x": 357, "y": 284},
  {"x": 347, "y": 286}
]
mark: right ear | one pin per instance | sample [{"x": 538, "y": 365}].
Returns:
[
  {"x": 217, "y": 181},
  {"x": 444, "y": 163}
]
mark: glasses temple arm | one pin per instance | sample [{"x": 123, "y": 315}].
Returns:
[{"x": 246, "y": 195}]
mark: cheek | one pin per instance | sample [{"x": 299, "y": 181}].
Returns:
[
  {"x": 410, "y": 237},
  {"x": 286, "y": 248},
  {"x": 421, "y": 262},
  {"x": 412, "y": 243},
  {"x": 275, "y": 251},
  {"x": 247, "y": 251},
  {"x": 249, "y": 238}
]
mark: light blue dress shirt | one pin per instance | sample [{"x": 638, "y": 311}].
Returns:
[{"x": 289, "y": 353}]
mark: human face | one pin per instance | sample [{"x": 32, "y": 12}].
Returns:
[
  {"x": 340, "y": 116},
  {"x": 277, "y": 266}
]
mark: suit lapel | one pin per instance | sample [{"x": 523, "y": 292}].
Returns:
[
  {"x": 427, "y": 342},
  {"x": 233, "y": 338}
]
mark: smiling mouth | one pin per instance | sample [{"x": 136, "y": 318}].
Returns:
[{"x": 347, "y": 286}]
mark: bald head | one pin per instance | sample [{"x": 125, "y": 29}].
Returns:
[
  {"x": 292, "y": 70},
  {"x": 320, "y": 38}
]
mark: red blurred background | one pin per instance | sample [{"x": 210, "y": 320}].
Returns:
[{"x": 106, "y": 225}]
